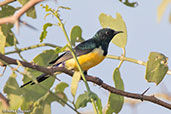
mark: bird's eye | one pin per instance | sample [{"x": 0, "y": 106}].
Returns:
[{"x": 107, "y": 32}]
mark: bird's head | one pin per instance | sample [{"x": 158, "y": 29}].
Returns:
[{"x": 106, "y": 34}]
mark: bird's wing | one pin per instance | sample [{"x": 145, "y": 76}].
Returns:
[{"x": 81, "y": 49}]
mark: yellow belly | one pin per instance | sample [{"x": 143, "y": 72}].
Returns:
[{"x": 86, "y": 61}]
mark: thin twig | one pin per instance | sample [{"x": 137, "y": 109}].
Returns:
[
  {"x": 3, "y": 71},
  {"x": 121, "y": 60},
  {"x": 15, "y": 18},
  {"x": 16, "y": 48},
  {"x": 89, "y": 78},
  {"x": 75, "y": 58},
  {"x": 28, "y": 25},
  {"x": 127, "y": 59},
  {"x": 131, "y": 60},
  {"x": 32, "y": 47}
]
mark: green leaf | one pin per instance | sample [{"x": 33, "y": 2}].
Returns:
[
  {"x": 60, "y": 50},
  {"x": 11, "y": 85},
  {"x": 31, "y": 12},
  {"x": 99, "y": 105},
  {"x": 40, "y": 99},
  {"x": 47, "y": 9},
  {"x": 42, "y": 59},
  {"x": 43, "y": 104},
  {"x": 156, "y": 67},
  {"x": 74, "y": 84},
  {"x": 162, "y": 8},
  {"x": 7, "y": 10},
  {"x": 44, "y": 32},
  {"x": 15, "y": 101},
  {"x": 117, "y": 24},
  {"x": 59, "y": 91},
  {"x": 61, "y": 95},
  {"x": 82, "y": 100},
  {"x": 86, "y": 97},
  {"x": 45, "y": 57},
  {"x": 115, "y": 102},
  {"x": 37, "y": 91},
  {"x": 2, "y": 42},
  {"x": 5, "y": 30},
  {"x": 13, "y": 92},
  {"x": 61, "y": 86},
  {"x": 2, "y": 107},
  {"x": 76, "y": 35},
  {"x": 118, "y": 80},
  {"x": 130, "y": 4}
]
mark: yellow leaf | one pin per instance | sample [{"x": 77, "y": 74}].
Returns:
[
  {"x": 161, "y": 9},
  {"x": 117, "y": 24},
  {"x": 15, "y": 101},
  {"x": 74, "y": 84},
  {"x": 2, "y": 42}
]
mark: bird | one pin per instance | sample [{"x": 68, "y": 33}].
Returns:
[{"x": 89, "y": 53}]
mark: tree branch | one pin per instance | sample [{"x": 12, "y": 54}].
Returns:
[
  {"x": 15, "y": 18},
  {"x": 4, "y": 100},
  {"x": 89, "y": 78}
]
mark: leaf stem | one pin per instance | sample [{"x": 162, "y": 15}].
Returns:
[
  {"x": 32, "y": 47},
  {"x": 124, "y": 53},
  {"x": 127, "y": 59},
  {"x": 16, "y": 49},
  {"x": 131, "y": 60},
  {"x": 77, "y": 62}
]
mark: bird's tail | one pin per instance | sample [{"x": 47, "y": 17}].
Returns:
[{"x": 39, "y": 79}]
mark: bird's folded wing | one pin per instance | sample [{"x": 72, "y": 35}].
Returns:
[{"x": 81, "y": 49}]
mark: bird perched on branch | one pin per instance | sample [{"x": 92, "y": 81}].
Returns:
[{"x": 89, "y": 53}]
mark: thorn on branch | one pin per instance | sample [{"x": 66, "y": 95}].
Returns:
[
  {"x": 57, "y": 79},
  {"x": 28, "y": 25},
  {"x": 1, "y": 74},
  {"x": 144, "y": 93}
]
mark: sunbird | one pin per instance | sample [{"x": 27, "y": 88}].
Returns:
[{"x": 89, "y": 53}]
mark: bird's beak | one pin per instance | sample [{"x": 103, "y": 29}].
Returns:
[{"x": 117, "y": 32}]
